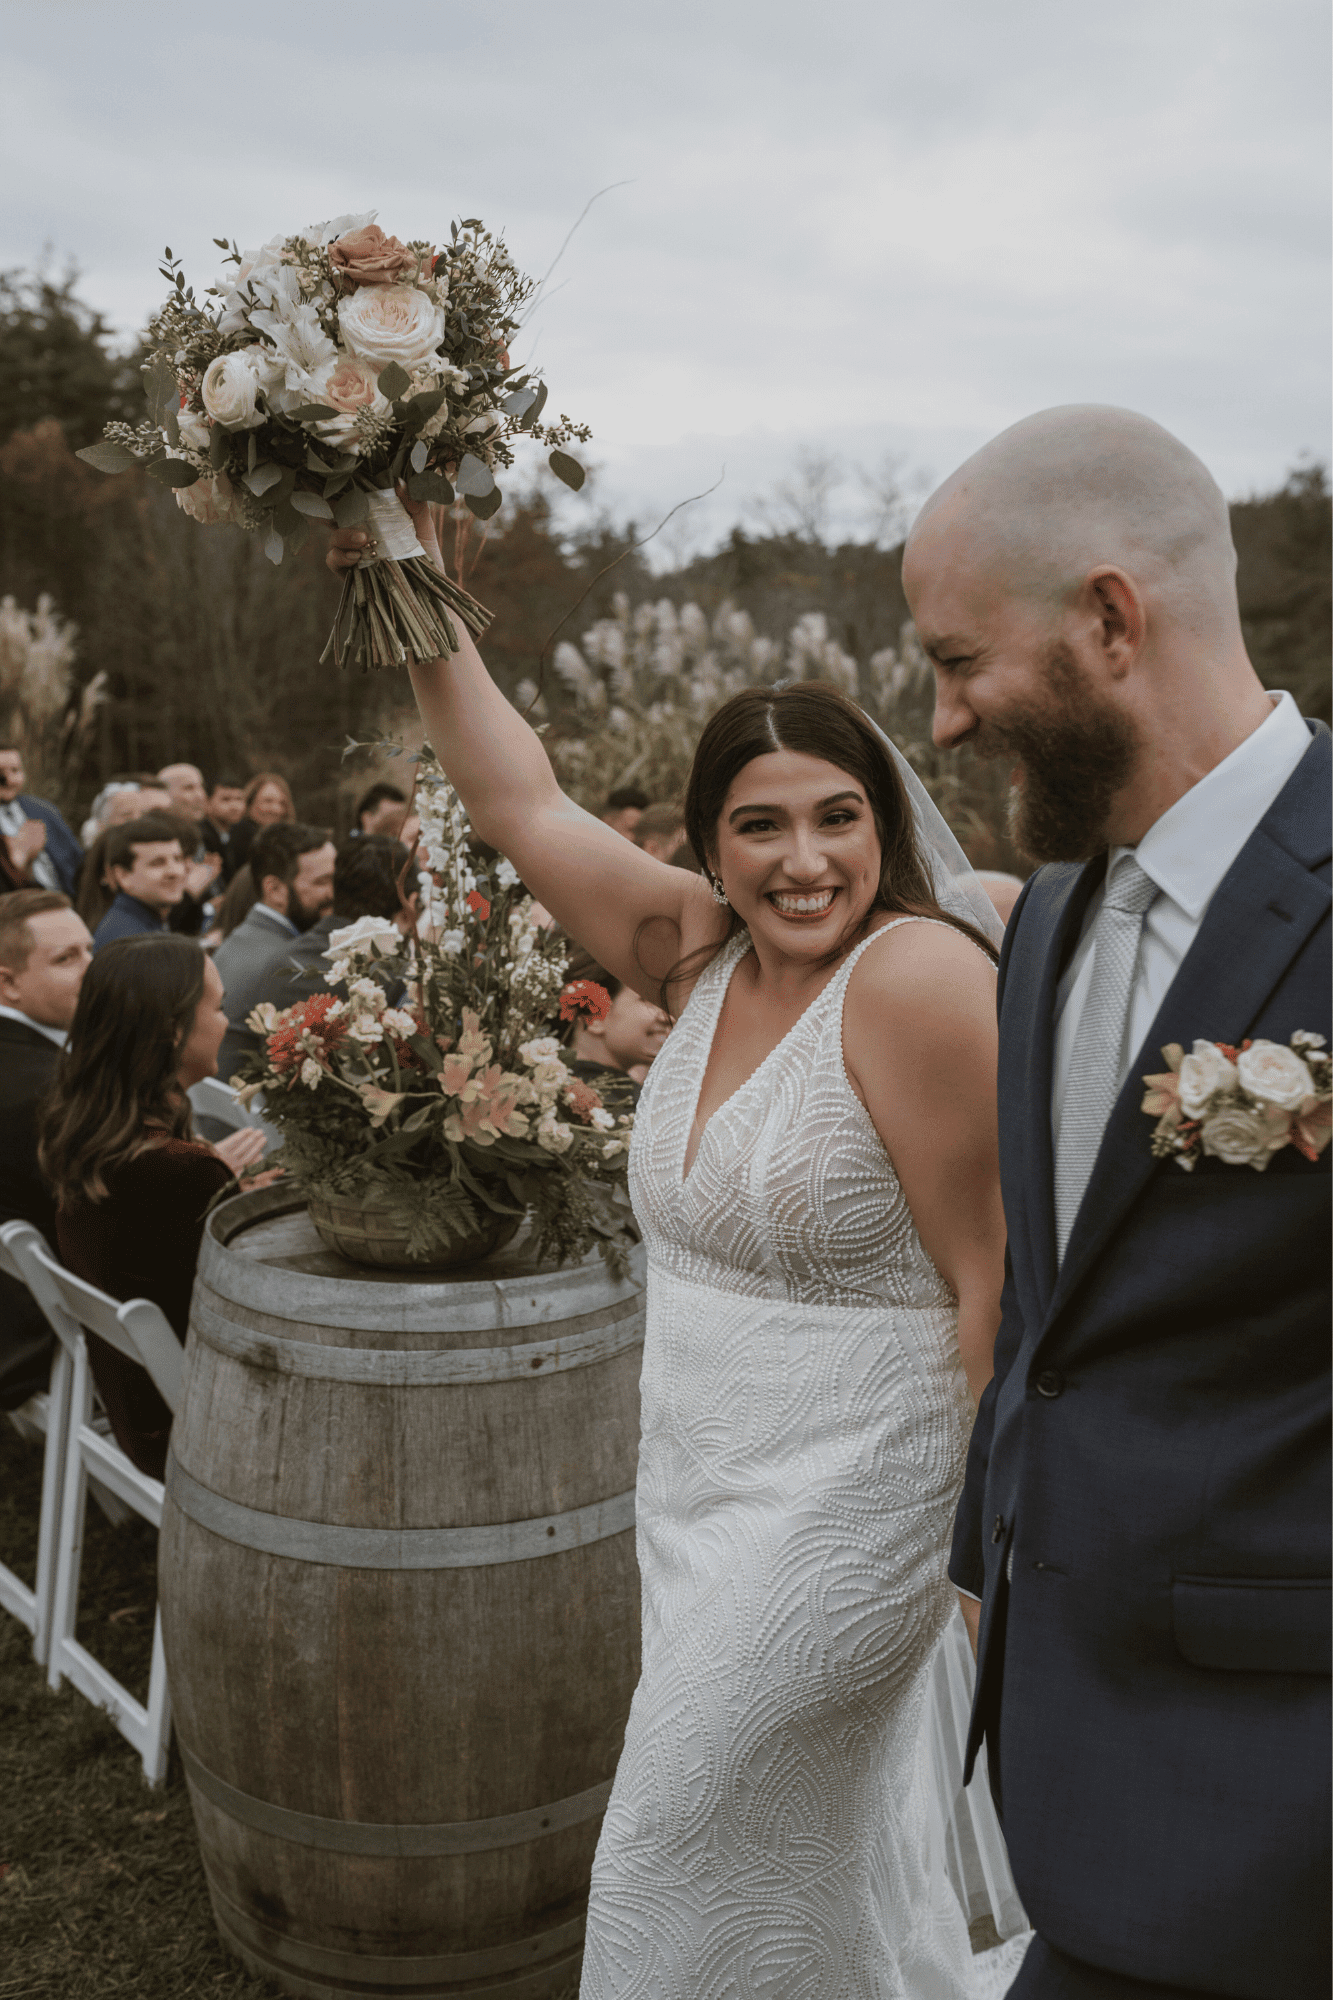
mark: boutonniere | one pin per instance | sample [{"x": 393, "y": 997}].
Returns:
[{"x": 1242, "y": 1105}]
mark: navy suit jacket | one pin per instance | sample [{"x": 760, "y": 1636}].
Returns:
[
  {"x": 64, "y": 850},
  {"x": 127, "y": 917},
  {"x": 1153, "y": 1454}
]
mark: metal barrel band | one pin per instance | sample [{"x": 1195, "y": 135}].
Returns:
[
  {"x": 286, "y": 1952},
  {"x": 396, "y": 1548},
  {"x": 417, "y": 1368},
  {"x": 412, "y": 1842}
]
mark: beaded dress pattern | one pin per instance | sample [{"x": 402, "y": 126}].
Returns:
[{"x": 805, "y": 1426}]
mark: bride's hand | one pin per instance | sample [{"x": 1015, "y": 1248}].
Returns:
[{"x": 347, "y": 545}]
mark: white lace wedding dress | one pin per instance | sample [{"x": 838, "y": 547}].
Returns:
[{"x": 805, "y": 1425}]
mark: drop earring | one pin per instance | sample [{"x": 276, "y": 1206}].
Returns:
[{"x": 719, "y": 893}]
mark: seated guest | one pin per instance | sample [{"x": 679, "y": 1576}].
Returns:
[
  {"x": 224, "y": 811},
  {"x": 291, "y": 867},
  {"x": 36, "y": 846},
  {"x": 238, "y": 902},
  {"x": 131, "y": 1183},
  {"x": 145, "y": 867},
  {"x": 381, "y": 810},
  {"x": 45, "y": 950},
  {"x": 615, "y": 1053},
  {"x": 189, "y": 802},
  {"x": 622, "y": 809},
  {"x": 268, "y": 800},
  {"x": 660, "y": 831}
]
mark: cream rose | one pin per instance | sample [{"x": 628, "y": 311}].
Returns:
[
  {"x": 1240, "y": 1137},
  {"x": 368, "y": 937},
  {"x": 232, "y": 382},
  {"x": 208, "y": 500},
  {"x": 369, "y": 257},
  {"x": 385, "y": 323},
  {"x": 1201, "y": 1076},
  {"x": 1275, "y": 1075}
]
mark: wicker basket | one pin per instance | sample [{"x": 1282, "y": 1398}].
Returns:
[{"x": 371, "y": 1232}]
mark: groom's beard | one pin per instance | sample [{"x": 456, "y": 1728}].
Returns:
[{"x": 1076, "y": 753}]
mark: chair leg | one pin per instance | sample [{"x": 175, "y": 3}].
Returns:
[
  {"x": 157, "y": 1742},
  {"x": 53, "y": 1479},
  {"x": 69, "y": 1537}
]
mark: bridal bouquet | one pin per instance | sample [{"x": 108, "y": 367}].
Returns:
[
  {"x": 322, "y": 370},
  {"x": 455, "y": 1103},
  {"x": 1242, "y": 1105}
]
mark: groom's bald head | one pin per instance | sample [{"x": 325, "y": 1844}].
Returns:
[{"x": 1072, "y": 489}]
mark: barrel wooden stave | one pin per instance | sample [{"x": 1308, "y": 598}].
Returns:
[{"x": 450, "y": 1695}]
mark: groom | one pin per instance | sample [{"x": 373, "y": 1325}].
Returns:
[{"x": 1145, "y": 1517}]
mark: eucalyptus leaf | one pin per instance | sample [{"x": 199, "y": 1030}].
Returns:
[
  {"x": 336, "y": 484},
  {"x": 394, "y": 381},
  {"x": 252, "y": 451},
  {"x": 297, "y": 537},
  {"x": 219, "y": 447},
  {"x": 567, "y": 468},
  {"x": 310, "y": 413},
  {"x": 262, "y": 478},
  {"x": 420, "y": 453},
  {"x": 429, "y": 401},
  {"x": 273, "y": 545},
  {"x": 161, "y": 389},
  {"x": 519, "y": 402},
  {"x": 474, "y": 477},
  {"x": 485, "y": 504},
  {"x": 539, "y": 404},
  {"x": 171, "y": 426},
  {"x": 173, "y": 472},
  {"x": 285, "y": 519},
  {"x": 314, "y": 463},
  {"x": 351, "y": 509},
  {"x": 107, "y": 457},
  {"x": 431, "y": 486},
  {"x": 311, "y": 504}
]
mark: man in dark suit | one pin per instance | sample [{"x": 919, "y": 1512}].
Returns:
[
  {"x": 1145, "y": 1516},
  {"x": 38, "y": 847},
  {"x": 292, "y": 867},
  {"x": 366, "y": 877},
  {"x": 45, "y": 950},
  {"x": 146, "y": 865}
]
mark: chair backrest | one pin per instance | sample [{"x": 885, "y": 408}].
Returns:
[
  {"x": 212, "y": 1098},
  {"x": 138, "y": 1329}
]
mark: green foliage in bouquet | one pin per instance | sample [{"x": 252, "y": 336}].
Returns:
[
  {"x": 457, "y": 1101},
  {"x": 327, "y": 367}
]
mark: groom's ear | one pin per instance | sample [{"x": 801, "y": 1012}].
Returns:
[{"x": 1121, "y": 616}]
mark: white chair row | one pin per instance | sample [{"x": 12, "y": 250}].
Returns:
[
  {"x": 216, "y": 1102},
  {"x": 76, "y": 1452}
]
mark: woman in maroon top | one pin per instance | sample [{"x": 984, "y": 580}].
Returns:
[{"x": 131, "y": 1182}]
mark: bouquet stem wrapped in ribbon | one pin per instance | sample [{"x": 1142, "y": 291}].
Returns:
[{"x": 328, "y": 366}]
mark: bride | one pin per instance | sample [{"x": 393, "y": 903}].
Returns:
[{"x": 814, "y": 1172}]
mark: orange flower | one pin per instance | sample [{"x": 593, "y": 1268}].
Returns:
[
  {"x": 584, "y": 996},
  {"x": 582, "y": 1100},
  {"x": 478, "y": 905}
]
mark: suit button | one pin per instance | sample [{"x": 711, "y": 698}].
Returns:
[
  {"x": 997, "y": 1532},
  {"x": 1049, "y": 1383}
]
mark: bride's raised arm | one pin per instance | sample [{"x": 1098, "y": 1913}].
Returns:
[{"x": 636, "y": 915}]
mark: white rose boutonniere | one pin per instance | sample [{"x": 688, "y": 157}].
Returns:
[{"x": 1242, "y": 1106}]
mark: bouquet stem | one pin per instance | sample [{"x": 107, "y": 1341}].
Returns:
[{"x": 400, "y": 614}]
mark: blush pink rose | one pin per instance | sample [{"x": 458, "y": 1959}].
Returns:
[
  {"x": 351, "y": 386},
  {"x": 369, "y": 257}
]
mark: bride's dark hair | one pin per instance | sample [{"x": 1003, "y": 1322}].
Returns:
[{"x": 814, "y": 719}]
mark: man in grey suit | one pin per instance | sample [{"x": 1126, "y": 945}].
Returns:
[
  {"x": 366, "y": 876},
  {"x": 293, "y": 868}
]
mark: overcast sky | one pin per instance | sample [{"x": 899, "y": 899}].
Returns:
[{"x": 861, "y": 227}]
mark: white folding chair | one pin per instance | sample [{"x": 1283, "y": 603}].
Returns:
[
  {"x": 213, "y": 1099},
  {"x": 47, "y": 1413},
  {"x": 139, "y": 1330}
]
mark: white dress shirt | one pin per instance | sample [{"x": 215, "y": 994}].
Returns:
[
  {"x": 56, "y": 1035},
  {"x": 42, "y": 868},
  {"x": 284, "y": 924},
  {"x": 1186, "y": 853}
]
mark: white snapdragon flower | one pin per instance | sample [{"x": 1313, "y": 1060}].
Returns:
[
  {"x": 398, "y": 1023},
  {"x": 551, "y": 1135},
  {"x": 366, "y": 1029},
  {"x": 506, "y": 874},
  {"x": 368, "y": 993},
  {"x": 452, "y": 943},
  {"x": 311, "y": 1073},
  {"x": 603, "y": 1120},
  {"x": 545, "y": 1050}
]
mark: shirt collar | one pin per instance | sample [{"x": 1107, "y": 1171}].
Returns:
[
  {"x": 275, "y": 917},
  {"x": 56, "y": 1035},
  {"x": 125, "y": 901},
  {"x": 1190, "y": 848}
]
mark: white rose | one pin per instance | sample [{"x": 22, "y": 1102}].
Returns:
[
  {"x": 231, "y": 384},
  {"x": 367, "y": 937},
  {"x": 195, "y": 433},
  {"x": 1242, "y": 1138},
  {"x": 1202, "y": 1075},
  {"x": 1274, "y": 1075},
  {"x": 385, "y": 323},
  {"x": 208, "y": 500}
]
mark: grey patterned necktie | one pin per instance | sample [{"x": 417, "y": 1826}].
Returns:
[{"x": 1094, "y": 1072}]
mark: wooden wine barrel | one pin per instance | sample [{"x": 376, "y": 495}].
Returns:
[{"x": 401, "y": 1605}]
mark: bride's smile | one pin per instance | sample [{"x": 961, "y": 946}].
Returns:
[{"x": 798, "y": 851}]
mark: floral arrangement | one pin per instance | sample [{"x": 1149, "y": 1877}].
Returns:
[
  {"x": 1242, "y": 1105},
  {"x": 323, "y": 369},
  {"x": 454, "y": 1101}
]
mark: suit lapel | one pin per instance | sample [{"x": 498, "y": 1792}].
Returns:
[{"x": 1258, "y": 920}]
